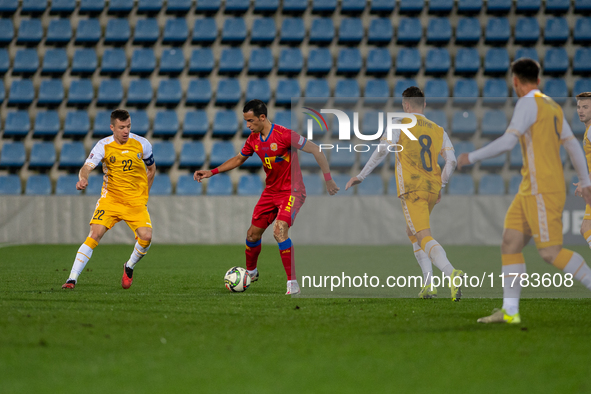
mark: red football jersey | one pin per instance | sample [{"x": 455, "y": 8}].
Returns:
[{"x": 279, "y": 160}]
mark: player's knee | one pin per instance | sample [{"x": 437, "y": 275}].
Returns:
[
  {"x": 280, "y": 231},
  {"x": 252, "y": 236},
  {"x": 548, "y": 254},
  {"x": 146, "y": 237}
]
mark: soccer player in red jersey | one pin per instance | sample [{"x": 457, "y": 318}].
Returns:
[{"x": 284, "y": 192}]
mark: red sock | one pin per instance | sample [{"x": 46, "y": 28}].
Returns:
[
  {"x": 253, "y": 249},
  {"x": 286, "y": 252}
]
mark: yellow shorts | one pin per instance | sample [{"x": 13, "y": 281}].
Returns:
[
  {"x": 417, "y": 207},
  {"x": 539, "y": 216},
  {"x": 587, "y": 213},
  {"x": 108, "y": 213}
]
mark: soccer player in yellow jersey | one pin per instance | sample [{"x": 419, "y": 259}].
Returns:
[
  {"x": 419, "y": 182},
  {"x": 128, "y": 164},
  {"x": 584, "y": 112},
  {"x": 539, "y": 125}
]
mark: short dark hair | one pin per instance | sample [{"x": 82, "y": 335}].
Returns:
[
  {"x": 584, "y": 95},
  {"x": 119, "y": 114},
  {"x": 257, "y": 107},
  {"x": 526, "y": 70},
  {"x": 414, "y": 96}
]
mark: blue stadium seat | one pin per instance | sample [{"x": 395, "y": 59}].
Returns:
[
  {"x": 195, "y": 124},
  {"x": 467, "y": 61},
  {"x": 341, "y": 180},
  {"x": 169, "y": 92},
  {"x": 294, "y": 6},
  {"x": 494, "y": 123},
  {"x": 228, "y": 92},
  {"x": 13, "y": 155},
  {"x": 162, "y": 185},
  {"x": 382, "y": 6},
  {"x": 324, "y": 6},
  {"x": 314, "y": 185},
  {"x": 258, "y": 89},
  {"x": 47, "y": 124},
  {"x": 263, "y": 31},
  {"x": 143, "y": 61},
  {"x": 59, "y": 32},
  {"x": 17, "y": 124},
  {"x": 577, "y": 126},
  {"x": 350, "y": 31},
  {"x": 21, "y": 92},
  {"x": 438, "y": 116},
  {"x": 347, "y": 91},
  {"x": 528, "y": 6},
  {"x": 514, "y": 183},
  {"x": 33, "y": 6},
  {"x": 530, "y": 53},
  {"x": 141, "y": 123},
  {"x": 6, "y": 31},
  {"x": 495, "y": 91},
  {"x": 581, "y": 85},
  {"x": 469, "y": 6},
  {"x": 201, "y": 61},
  {"x": 403, "y": 84},
  {"x": 582, "y": 61},
  {"x": 164, "y": 154},
  {"x": 42, "y": 155},
  {"x": 355, "y": 7},
  {"x": 286, "y": 89},
  {"x": 308, "y": 162},
  {"x": 496, "y": 61},
  {"x": 291, "y": 61},
  {"x": 146, "y": 31},
  {"x": 582, "y": 6},
  {"x": 2, "y": 93},
  {"x": 88, "y": 32},
  {"x": 468, "y": 31},
  {"x": 199, "y": 92},
  {"x": 408, "y": 61},
  {"x": 250, "y": 185},
  {"x": 102, "y": 122},
  {"x": 438, "y": 31},
  {"x": 51, "y": 93},
  {"x": 234, "y": 31},
  {"x": 72, "y": 155},
  {"x": 411, "y": 6},
  {"x": 342, "y": 159},
  {"x": 494, "y": 163},
  {"x": 322, "y": 31},
  {"x": 95, "y": 185},
  {"x": 8, "y": 7},
  {"x": 319, "y": 61},
  {"x": 515, "y": 157},
  {"x": 491, "y": 184},
  {"x": 10, "y": 184},
  {"x": 283, "y": 118},
  {"x": 117, "y": 32},
  {"x": 38, "y": 185},
  {"x": 556, "y": 61},
  {"x": 231, "y": 61},
  {"x": 192, "y": 155},
  {"x": 317, "y": 91},
  {"x": 220, "y": 152},
  {"x": 365, "y": 156},
  {"x": 557, "y": 6},
  {"x": 463, "y": 124},
  {"x": 380, "y": 31},
  {"x": 55, "y": 61},
  {"x": 527, "y": 31},
  {"x": 205, "y": 31},
  {"x": 557, "y": 31},
  {"x": 26, "y": 62},
  {"x": 266, "y": 6},
  {"x": 172, "y": 61},
  {"x": 373, "y": 185},
  {"x": 166, "y": 124},
  {"x": 392, "y": 189},
  {"x": 84, "y": 62},
  {"x": 349, "y": 61},
  {"x": 91, "y": 6},
  {"x": 443, "y": 7},
  {"x": 498, "y": 6},
  {"x": 186, "y": 186},
  {"x": 113, "y": 62},
  {"x": 557, "y": 89},
  {"x": 497, "y": 31},
  {"x": 176, "y": 31},
  {"x": 76, "y": 124},
  {"x": 225, "y": 124},
  {"x": 379, "y": 62},
  {"x": 30, "y": 32},
  {"x": 465, "y": 91},
  {"x": 438, "y": 61},
  {"x": 139, "y": 92},
  {"x": 461, "y": 185},
  {"x": 261, "y": 61},
  {"x": 220, "y": 185},
  {"x": 149, "y": 6},
  {"x": 110, "y": 92},
  {"x": 120, "y": 6},
  {"x": 208, "y": 6},
  {"x": 410, "y": 31},
  {"x": 236, "y": 6},
  {"x": 292, "y": 31},
  {"x": 377, "y": 91}
]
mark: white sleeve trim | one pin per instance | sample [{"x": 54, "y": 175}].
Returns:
[
  {"x": 447, "y": 152},
  {"x": 97, "y": 154},
  {"x": 577, "y": 157},
  {"x": 146, "y": 145},
  {"x": 524, "y": 116}
]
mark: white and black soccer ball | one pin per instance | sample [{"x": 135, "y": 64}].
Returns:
[{"x": 237, "y": 279}]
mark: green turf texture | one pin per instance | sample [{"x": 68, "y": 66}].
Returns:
[{"x": 178, "y": 330}]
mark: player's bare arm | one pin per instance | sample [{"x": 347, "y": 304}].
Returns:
[
  {"x": 228, "y": 165},
  {"x": 83, "y": 176},
  {"x": 310, "y": 147},
  {"x": 151, "y": 172}
]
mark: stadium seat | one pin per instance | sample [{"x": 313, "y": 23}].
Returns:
[
  {"x": 556, "y": 88},
  {"x": 556, "y": 61},
  {"x": 258, "y": 89},
  {"x": 72, "y": 155},
  {"x": 234, "y": 31},
  {"x": 291, "y": 60},
  {"x": 146, "y": 32},
  {"x": 38, "y": 185},
  {"x": 443, "y": 7},
  {"x": 91, "y": 6},
  {"x": 140, "y": 122},
  {"x": 408, "y": 61},
  {"x": 494, "y": 163},
  {"x": 495, "y": 91},
  {"x": 201, "y": 61},
  {"x": 438, "y": 31},
  {"x": 314, "y": 185},
  {"x": 33, "y": 6},
  {"x": 149, "y": 6},
  {"x": 382, "y": 6},
  {"x": 581, "y": 85},
  {"x": 95, "y": 185},
  {"x": 491, "y": 184},
  {"x": 317, "y": 91},
  {"x": 47, "y": 124},
  {"x": 294, "y": 6},
  {"x": 30, "y": 32},
  {"x": 324, "y": 6},
  {"x": 225, "y": 124},
  {"x": 527, "y": 31},
  {"x": 286, "y": 89},
  {"x": 139, "y": 92},
  {"x": 365, "y": 156},
  {"x": 51, "y": 93},
  {"x": 349, "y": 61},
  {"x": 341, "y": 158},
  {"x": 26, "y": 62},
  {"x": 84, "y": 62},
  {"x": 205, "y": 31},
  {"x": 21, "y": 92},
  {"x": 283, "y": 118},
  {"x": 266, "y": 6},
  {"x": 208, "y": 6},
  {"x": 176, "y": 31},
  {"x": 143, "y": 62},
  {"x": 380, "y": 31},
  {"x": 465, "y": 91},
  {"x": 261, "y": 61},
  {"x": 498, "y": 6},
  {"x": 467, "y": 61},
  {"x": 17, "y": 124},
  {"x": 231, "y": 61},
  {"x": 10, "y": 184},
  {"x": 228, "y": 92},
  {"x": 468, "y": 31},
  {"x": 438, "y": 61},
  {"x": 166, "y": 124},
  {"x": 13, "y": 155},
  {"x": 308, "y": 162},
  {"x": 42, "y": 155},
  {"x": 164, "y": 154},
  {"x": 199, "y": 92},
  {"x": 192, "y": 155},
  {"x": 469, "y": 6},
  {"x": 117, "y": 32},
  {"x": 376, "y": 91},
  {"x": 172, "y": 61},
  {"x": 162, "y": 185},
  {"x": 88, "y": 32},
  {"x": 577, "y": 126},
  {"x": 292, "y": 31},
  {"x": 379, "y": 62},
  {"x": 556, "y": 31},
  {"x": 110, "y": 92},
  {"x": 319, "y": 61},
  {"x": 410, "y": 31},
  {"x": 120, "y": 6},
  {"x": 411, "y": 6},
  {"x": 322, "y": 31},
  {"x": 187, "y": 186},
  {"x": 253, "y": 162},
  {"x": 464, "y": 124},
  {"x": 436, "y": 91},
  {"x": 401, "y": 85},
  {"x": 59, "y": 32},
  {"x": 461, "y": 185},
  {"x": 195, "y": 124},
  {"x": 169, "y": 92},
  {"x": 497, "y": 31},
  {"x": 350, "y": 31},
  {"x": 102, "y": 122},
  {"x": 494, "y": 123},
  {"x": 220, "y": 152},
  {"x": 250, "y": 185},
  {"x": 557, "y": 6},
  {"x": 347, "y": 92},
  {"x": 514, "y": 184},
  {"x": 236, "y": 6},
  {"x": 528, "y": 6},
  {"x": 55, "y": 61},
  {"x": 373, "y": 185},
  {"x": 8, "y": 7},
  {"x": 515, "y": 157},
  {"x": 530, "y": 53},
  {"x": 76, "y": 124},
  {"x": 2, "y": 93},
  {"x": 220, "y": 185},
  {"x": 6, "y": 31},
  {"x": 464, "y": 147},
  {"x": 263, "y": 31},
  {"x": 438, "y": 116},
  {"x": 392, "y": 189},
  {"x": 496, "y": 61},
  {"x": 582, "y": 61},
  {"x": 582, "y": 6},
  {"x": 113, "y": 62}
]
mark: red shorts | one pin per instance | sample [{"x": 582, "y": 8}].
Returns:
[{"x": 280, "y": 206}]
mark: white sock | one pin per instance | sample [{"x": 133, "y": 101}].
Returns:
[
  {"x": 137, "y": 254},
  {"x": 511, "y": 294},
  {"x": 437, "y": 255},
  {"x": 84, "y": 254},
  {"x": 589, "y": 241},
  {"x": 424, "y": 262},
  {"x": 253, "y": 272},
  {"x": 579, "y": 269}
]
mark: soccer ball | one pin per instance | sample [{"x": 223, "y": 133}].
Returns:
[{"x": 237, "y": 279}]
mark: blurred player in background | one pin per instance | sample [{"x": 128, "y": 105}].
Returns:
[
  {"x": 284, "y": 192},
  {"x": 539, "y": 125},
  {"x": 584, "y": 112},
  {"x": 419, "y": 182},
  {"x": 128, "y": 164}
]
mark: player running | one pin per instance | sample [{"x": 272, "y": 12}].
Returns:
[
  {"x": 284, "y": 192},
  {"x": 419, "y": 182},
  {"x": 128, "y": 164},
  {"x": 539, "y": 125},
  {"x": 584, "y": 112}
]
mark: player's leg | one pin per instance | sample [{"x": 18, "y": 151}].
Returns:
[
  {"x": 140, "y": 249},
  {"x": 586, "y": 225},
  {"x": 427, "y": 291},
  {"x": 569, "y": 262},
  {"x": 85, "y": 253},
  {"x": 289, "y": 206},
  {"x": 253, "y": 249}
]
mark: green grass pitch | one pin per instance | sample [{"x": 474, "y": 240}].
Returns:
[{"x": 178, "y": 330}]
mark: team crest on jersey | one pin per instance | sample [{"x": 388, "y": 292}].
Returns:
[
  {"x": 112, "y": 159},
  {"x": 139, "y": 155},
  {"x": 256, "y": 148},
  {"x": 273, "y": 146}
]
